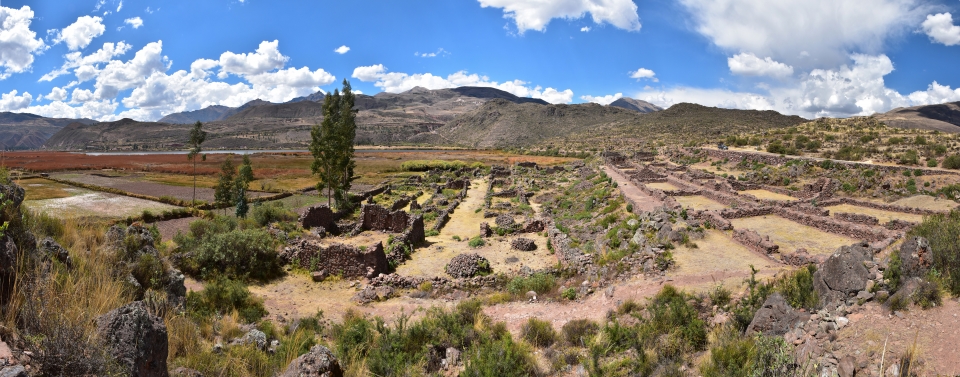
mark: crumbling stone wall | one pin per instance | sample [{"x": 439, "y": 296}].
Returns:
[
  {"x": 753, "y": 241},
  {"x": 375, "y": 217},
  {"x": 874, "y": 205},
  {"x": 444, "y": 215},
  {"x": 401, "y": 203},
  {"x": 319, "y": 216},
  {"x": 567, "y": 255},
  {"x": 714, "y": 218},
  {"x": 857, "y": 218},
  {"x": 835, "y": 226},
  {"x": 338, "y": 259}
]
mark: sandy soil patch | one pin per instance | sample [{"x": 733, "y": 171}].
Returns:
[
  {"x": 700, "y": 202},
  {"x": 927, "y": 202},
  {"x": 883, "y": 216},
  {"x": 936, "y": 331},
  {"x": 791, "y": 235},
  {"x": 769, "y": 195},
  {"x": 665, "y": 186},
  {"x": 96, "y": 204}
]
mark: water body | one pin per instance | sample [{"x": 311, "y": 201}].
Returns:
[{"x": 252, "y": 151}]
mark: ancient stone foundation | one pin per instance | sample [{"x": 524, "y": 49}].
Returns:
[{"x": 338, "y": 259}]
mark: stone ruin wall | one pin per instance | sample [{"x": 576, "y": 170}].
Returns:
[
  {"x": 754, "y": 241},
  {"x": 737, "y": 156},
  {"x": 319, "y": 216},
  {"x": 880, "y": 206},
  {"x": 567, "y": 255},
  {"x": 338, "y": 259},
  {"x": 857, "y": 218}
]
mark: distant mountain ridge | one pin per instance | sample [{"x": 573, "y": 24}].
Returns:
[
  {"x": 30, "y": 131},
  {"x": 635, "y": 105},
  {"x": 943, "y": 117}
]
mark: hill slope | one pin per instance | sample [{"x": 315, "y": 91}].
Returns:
[
  {"x": 944, "y": 117},
  {"x": 29, "y": 131},
  {"x": 501, "y": 124},
  {"x": 636, "y": 105}
]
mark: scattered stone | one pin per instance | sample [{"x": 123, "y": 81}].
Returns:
[
  {"x": 504, "y": 221},
  {"x": 485, "y": 230},
  {"x": 136, "y": 339},
  {"x": 775, "y": 317},
  {"x": 318, "y": 276},
  {"x": 468, "y": 266},
  {"x": 255, "y": 337},
  {"x": 52, "y": 250},
  {"x": 523, "y": 244},
  {"x": 319, "y": 362}
]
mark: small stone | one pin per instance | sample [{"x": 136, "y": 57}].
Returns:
[{"x": 842, "y": 322}]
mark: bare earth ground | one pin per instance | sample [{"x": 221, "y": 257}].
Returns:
[
  {"x": 791, "y": 235},
  {"x": 770, "y": 195},
  {"x": 883, "y": 216},
  {"x": 718, "y": 260},
  {"x": 169, "y": 228},
  {"x": 665, "y": 186},
  {"x": 96, "y": 204},
  {"x": 936, "y": 332},
  {"x": 465, "y": 223},
  {"x": 643, "y": 201},
  {"x": 133, "y": 185},
  {"x": 927, "y": 202},
  {"x": 700, "y": 202}
]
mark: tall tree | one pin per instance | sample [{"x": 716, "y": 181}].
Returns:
[
  {"x": 244, "y": 177},
  {"x": 224, "y": 191},
  {"x": 332, "y": 146},
  {"x": 197, "y": 136}
]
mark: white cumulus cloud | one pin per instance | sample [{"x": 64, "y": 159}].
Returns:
[
  {"x": 940, "y": 28},
  {"x": 644, "y": 73},
  {"x": 56, "y": 94},
  {"x": 397, "y": 82},
  {"x": 12, "y": 102},
  {"x": 17, "y": 42},
  {"x": 76, "y": 60},
  {"x": 748, "y": 64},
  {"x": 805, "y": 33},
  {"x": 80, "y": 33},
  {"x": 342, "y": 49},
  {"x": 585, "y": 29},
  {"x": 266, "y": 58},
  {"x": 536, "y": 14},
  {"x": 135, "y": 22},
  {"x": 603, "y": 100}
]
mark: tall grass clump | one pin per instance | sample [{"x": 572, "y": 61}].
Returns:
[
  {"x": 943, "y": 231},
  {"x": 539, "y": 282}
]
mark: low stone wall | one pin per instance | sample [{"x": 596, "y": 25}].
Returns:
[
  {"x": 401, "y": 203},
  {"x": 567, "y": 255},
  {"x": 444, "y": 215},
  {"x": 740, "y": 213},
  {"x": 375, "y": 217},
  {"x": 857, "y": 218},
  {"x": 753, "y": 241},
  {"x": 835, "y": 226},
  {"x": 338, "y": 259},
  {"x": 714, "y": 218},
  {"x": 880, "y": 206},
  {"x": 738, "y": 156}
]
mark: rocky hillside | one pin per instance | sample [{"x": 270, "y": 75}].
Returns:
[
  {"x": 29, "y": 131},
  {"x": 944, "y": 117},
  {"x": 636, "y": 105},
  {"x": 501, "y": 124}
]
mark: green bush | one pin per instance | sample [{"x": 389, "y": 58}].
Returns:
[
  {"x": 797, "y": 288},
  {"x": 951, "y": 162},
  {"x": 538, "y": 333},
  {"x": 932, "y": 163},
  {"x": 569, "y": 294},
  {"x": 579, "y": 331},
  {"x": 476, "y": 241},
  {"x": 222, "y": 296},
  {"x": 271, "y": 212},
  {"x": 928, "y": 295},
  {"x": 425, "y": 165},
  {"x": 220, "y": 248},
  {"x": 910, "y": 157},
  {"x": 499, "y": 357},
  {"x": 539, "y": 282}
]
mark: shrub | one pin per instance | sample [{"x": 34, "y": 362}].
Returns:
[
  {"x": 538, "y": 333},
  {"x": 539, "y": 282},
  {"x": 220, "y": 248},
  {"x": 943, "y": 230},
  {"x": 425, "y": 165},
  {"x": 928, "y": 295},
  {"x": 431, "y": 233},
  {"x": 797, "y": 288},
  {"x": 910, "y": 157},
  {"x": 499, "y": 357},
  {"x": 569, "y": 294},
  {"x": 951, "y": 162},
  {"x": 271, "y": 212},
  {"x": 577, "y": 332},
  {"x": 222, "y": 296},
  {"x": 932, "y": 163},
  {"x": 476, "y": 242}
]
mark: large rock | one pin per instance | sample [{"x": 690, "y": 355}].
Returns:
[
  {"x": 136, "y": 339},
  {"x": 916, "y": 257},
  {"x": 52, "y": 250},
  {"x": 775, "y": 317},
  {"x": 523, "y": 244},
  {"x": 319, "y": 362},
  {"x": 843, "y": 274},
  {"x": 468, "y": 266}
]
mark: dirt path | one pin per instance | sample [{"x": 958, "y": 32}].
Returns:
[{"x": 643, "y": 201}]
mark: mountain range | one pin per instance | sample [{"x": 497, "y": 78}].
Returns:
[{"x": 29, "y": 131}]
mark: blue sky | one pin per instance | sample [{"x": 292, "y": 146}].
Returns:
[{"x": 109, "y": 59}]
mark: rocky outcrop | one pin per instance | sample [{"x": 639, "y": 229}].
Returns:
[
  {"x": 775, "y": 317},
  {"x": 753, "y": 241},
  {"x": 916, "y": 257},
  {"x": 319, "y": 362},
  {"x": 136, "y": 339},
  {"x": 523, "y": 244},
  {"x": 468, "y": 266},
  {"x": 843, "y": 274},
  {"x": 52, "y": 250},
  {"x": 337, "y": 259}
]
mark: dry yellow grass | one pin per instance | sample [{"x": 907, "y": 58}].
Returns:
[
  {"x": 699, "y": 202},
  {"x": 791, "y": 235},
  {"x": 665, "y": 186},
  {"x": 927, "y": 202},
  {"x": 721, "y": 257},
  {"x": 883, "y": 216},
  {"x": 39, "y": 189},
  {"x": 769, "y": 195}
]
